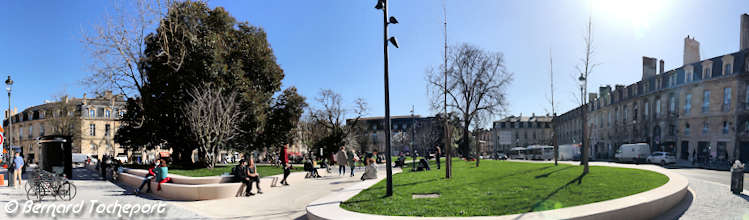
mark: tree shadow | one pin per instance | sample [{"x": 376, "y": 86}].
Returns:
[
  {"x": 407, "y": 184},
  {"x": 549, "y": 173},
  {"x": 519, "y": 172},
  {"x": 579, "y": 181}
]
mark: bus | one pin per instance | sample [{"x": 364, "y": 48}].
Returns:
[
  {"x": 540, "y": 152},
  {"x": 517, "y": 153}
]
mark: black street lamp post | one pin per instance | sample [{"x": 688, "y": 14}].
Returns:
[
  {"x": 382, "y": 5},
  {"x": 8, "y": 87}
]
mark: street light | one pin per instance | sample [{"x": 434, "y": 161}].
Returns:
[
  {"x": 9, "y": 87},
  {"x": 382, "y": 5}
]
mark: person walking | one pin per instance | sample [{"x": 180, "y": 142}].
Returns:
[
  {"x": 341, "y": 159},
  {"x": 437, "y": 152},
  {"x": 352, "y": 158},
  {"x": 18, "y": 169},
  {"x": 285, "y": 163}
]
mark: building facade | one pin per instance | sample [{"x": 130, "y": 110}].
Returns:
[
  {"x": 370, "y": 133},
  {"x": 521, "y": 131},
  {"x": 92, "y": 123},
  {"x": 699, "y": 110}
]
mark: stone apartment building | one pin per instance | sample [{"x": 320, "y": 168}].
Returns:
[
  {"x": 371, "y": 133},
  {"x": 521, "y": 131},
  {"x": 97, "y": 120},
  {"x": 698, "y": 110}
]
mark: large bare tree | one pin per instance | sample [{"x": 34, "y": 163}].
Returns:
[
  {"x": 476, "y": 84},
  {"x": 63, "y": 117},
  {"x": 213, "y": 118},
  {"x": 331, "y": 116}
]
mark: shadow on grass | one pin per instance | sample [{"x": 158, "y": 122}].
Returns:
[
  {"x": 579, "y": 181},
  {"x": 364, "y": 200},
  {"x": 520, "y": 172},
  {"x": 406, "y": 184},
  {"x": 549, "y": 173}
]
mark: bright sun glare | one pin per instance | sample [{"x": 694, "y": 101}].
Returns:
[{"x": 637, "y": 13}]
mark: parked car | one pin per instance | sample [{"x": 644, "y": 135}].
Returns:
[
  {"x": 661, "y": 158},
  {"x": 632, "y": 152}
]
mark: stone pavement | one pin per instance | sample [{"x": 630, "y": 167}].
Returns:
[
  {"x": 712, "y": 198},
  {"x": 283, "y": 202},
  {"x": 91, "y": 189}
]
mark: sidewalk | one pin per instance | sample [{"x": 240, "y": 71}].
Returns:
[{"x": 283, "y": 202}]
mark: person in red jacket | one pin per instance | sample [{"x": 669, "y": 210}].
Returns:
[
  {"x": 148, "y": 178},
  {"x": 285, "y": 163}
]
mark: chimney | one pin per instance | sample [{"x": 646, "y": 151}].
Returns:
[
  {"x": 648, "y": 67},
  {"x": 744, "y": 32},
  {"x": 691, "y": 50},
  {"x": 592, "y": 97},
  {"x": 661, "y": 65}
]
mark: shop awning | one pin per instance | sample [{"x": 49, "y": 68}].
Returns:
[{"x": 164, "y": 154}]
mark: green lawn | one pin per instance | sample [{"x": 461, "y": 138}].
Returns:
[
  {"x": 218, "y": 170},
  {"x": 501, "y": 188}
]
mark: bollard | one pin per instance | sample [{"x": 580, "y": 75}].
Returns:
[{"x": 737, "y": 177}]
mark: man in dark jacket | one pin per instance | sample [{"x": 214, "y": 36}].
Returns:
[{"x": 437, "y": 152}]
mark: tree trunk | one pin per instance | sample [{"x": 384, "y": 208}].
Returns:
[{"x": 478, "y": 151}]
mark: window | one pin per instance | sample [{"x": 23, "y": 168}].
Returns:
[
  {"x": 106, "y": 130},
  {"x": 647, "y": 109},
  {"x": 92, "y": 130},
  {"x": 705, "y": 127},
  {"x": 689, "y": 75},
  {"x": 706, "y": 101},
  {"x": 725, "y": 127},
  {"x": 671, "y": 104},
  {"x": 20, "y": 133},
  {"x": 706, "y": 73},
  {"x": 672, "y": 80},
  {"x": 657, "y": 107},
  {"x": 608, "y": 121},
  {"x": 100, "y": 112},
  {"x": 31, "y": 131},
  {"x": 41, "y": 115},
  {"x": 727, "y": 69},
  {"x": 91, "y": 113},
  {"x": 726, "y": 99},
  {"x": 722, "y": 153},
  {"x": 93, "y": 147},
  {"x": 41, "y": 130},
  {"x": 688, "y": 103},
  {"x": 107, "y": 113},
  {"x": 625, "y": 114},
  {"x": 687, "y": 130}
]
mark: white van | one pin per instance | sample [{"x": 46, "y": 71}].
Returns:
[{"x": 633, "y": 152}]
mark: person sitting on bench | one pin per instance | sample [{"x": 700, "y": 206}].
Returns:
[
  {"x": 253, "y": 176},
  {"x": 370, "y": 171},
  {"x": 423, "y": 165}
]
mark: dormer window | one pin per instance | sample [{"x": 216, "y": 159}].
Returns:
[
  {"x": 707, "y": 68},
  {"x": 689, "y": 73},
  {"x": 727, "y": 64}
]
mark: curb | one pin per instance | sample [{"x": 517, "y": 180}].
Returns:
[{"x": 644, "y": 205}]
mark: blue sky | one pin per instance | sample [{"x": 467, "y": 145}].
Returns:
[{"x": 338, "y": 44}]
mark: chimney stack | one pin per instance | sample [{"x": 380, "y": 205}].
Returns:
[
  {"x": 691, "y": 50},
  {"x": 661, "y": 66},
  {"x": 648, "y": 67},
  {"x": 744, "y": 32}
]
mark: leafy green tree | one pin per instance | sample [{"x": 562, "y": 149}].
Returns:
[
  {"x": 283, "y": 117},
  {"x": 192, "y": 45}
]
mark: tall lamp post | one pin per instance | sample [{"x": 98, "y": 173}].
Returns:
[
  {"x": 9, "y": 86},
  {"x": 413, "y": 136},
  {"x": 382, "y": 5}
]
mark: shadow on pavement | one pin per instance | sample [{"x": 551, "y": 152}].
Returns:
[
  {"x": 743, "y": 196},
  {"x": 679, "y": 209}
]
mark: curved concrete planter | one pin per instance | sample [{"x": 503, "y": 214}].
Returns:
[{"x": 644, "y": 205}]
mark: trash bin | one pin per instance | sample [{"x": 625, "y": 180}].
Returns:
[{"x": 737, "y": 177}]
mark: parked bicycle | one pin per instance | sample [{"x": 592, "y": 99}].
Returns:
[{"x": 43, "y": 183}]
